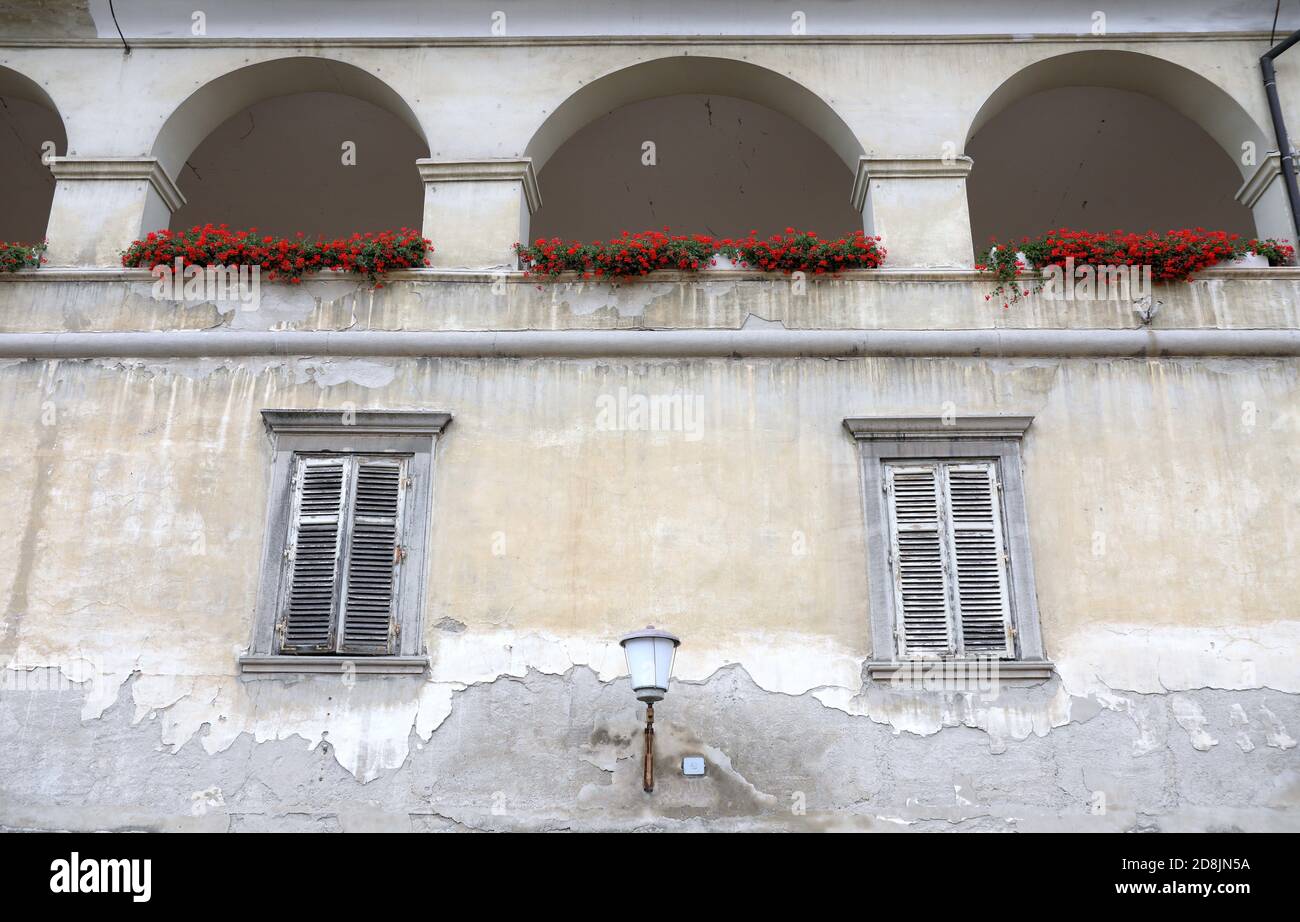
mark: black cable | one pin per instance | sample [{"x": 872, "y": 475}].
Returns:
[
  {"x": 1272, "y": 34},
  {"x": 112, "y": 12}
]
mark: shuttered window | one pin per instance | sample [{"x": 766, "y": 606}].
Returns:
[
  {"x": 948, "y": 559},
  {"x": 343, "y": 555}
]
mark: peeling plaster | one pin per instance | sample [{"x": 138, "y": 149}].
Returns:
[
  {"x": 288, "y": 307},
  {"x": 549, "y": 752},
  {"x": 1192, "y": 719},
  {"x": 368, "y": 725},
  {"x": 1243, "y": 739},
  {"x": 1157, "y": 659},
  {"x": 331, "y": 372},
  {"x": 926, "y": 713},
  {"x": 325, "y": 373},
  {"x": 1277, "y": 735}
]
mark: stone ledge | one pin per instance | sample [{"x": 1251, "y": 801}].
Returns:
[
  {"x": 922, "y": 672},
  {"x": 927, "y": 428},
  {"x": 725, "y": 344},
  {"x": 363, "y": 423},
  {"x": 257, "y": 664},
  {"x": 114, "y": 169}
]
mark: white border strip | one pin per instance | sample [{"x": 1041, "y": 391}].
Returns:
[{"x": 308, "y": 43}]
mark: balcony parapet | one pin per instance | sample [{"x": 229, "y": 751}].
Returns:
[{"x": 850, "y": 312}]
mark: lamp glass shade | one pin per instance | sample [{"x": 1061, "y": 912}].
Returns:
[{"x": 650, "y": 654}]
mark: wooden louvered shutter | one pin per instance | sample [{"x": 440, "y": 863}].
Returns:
[
  {"x": 374, "y": 552},
  {"x": 307, "y": 615},
  {"x": 917, "y": 554},
  {"x": 978, "y": 554}
]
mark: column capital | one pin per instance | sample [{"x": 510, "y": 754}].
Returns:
[
  {"x": 507, "y": 169},
  {"x": 120, "y": 168},
  {"x": 870, "y": 168},
  {"x": 1253, "y": 189}
]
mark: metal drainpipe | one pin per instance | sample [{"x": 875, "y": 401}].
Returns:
[{"x": 1279, "y": 127}]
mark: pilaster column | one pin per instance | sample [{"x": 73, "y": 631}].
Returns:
[
  {"x": 475, "y": 211},
  {"x": 1265, "y": 195},
  {"x": 918, "y": 205},
  {"x": 101, "y": 204}
]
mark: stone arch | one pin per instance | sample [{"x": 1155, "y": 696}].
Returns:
[
  {"x": 1208, "y": 132},
  {"x": 686, "y": 74},
  {"x": 775, "y": 120},
  {"x": 31, "y": 124},
  {"x": 1183, "y": 90},
  {"x": 332, "y": 88}
]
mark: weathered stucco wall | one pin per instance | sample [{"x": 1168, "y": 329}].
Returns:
[{"x": 1162, "y": 519}]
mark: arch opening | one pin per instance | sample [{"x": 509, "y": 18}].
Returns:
[
  {"x": 1102, "y": 140},
  {"x": 296, "y": 144},
  {"x": 701, "y": 145},
  {"x": 31, "y": 131}
]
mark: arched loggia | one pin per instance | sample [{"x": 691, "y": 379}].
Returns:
[
  {"x": 31, "y": 131},
  {"x": 1097, "y": 140},
  {"x": 296, "y": 144},
  {"x": 700, "y": 144}
]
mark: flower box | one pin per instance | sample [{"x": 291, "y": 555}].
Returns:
[
  {"x": 15, "y": 256},
  {"x": 640, "y": 254},
  {"x": 1249, "y": 260},
  {"x": 1174, "y": 256},
  {"x": 286, "y": 259}
]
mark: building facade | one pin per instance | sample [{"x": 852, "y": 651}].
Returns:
[{"x": 346, "y": 557}]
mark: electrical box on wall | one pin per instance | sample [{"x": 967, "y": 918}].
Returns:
[{"x": 693, "y": 766}]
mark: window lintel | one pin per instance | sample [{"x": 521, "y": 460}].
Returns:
[
  {"x": 356, "y": 422},
  {"x": 936, "y": 428}
]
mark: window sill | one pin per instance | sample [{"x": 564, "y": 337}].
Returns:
[
  {"x": 263, "y": 664},
  {"x": 935, "y": 672}
]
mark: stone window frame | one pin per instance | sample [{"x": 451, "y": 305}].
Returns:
[
  {"x": 410, "y": 433},
  {"x": 883, "y": 440}
]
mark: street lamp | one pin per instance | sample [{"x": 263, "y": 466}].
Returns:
[{"x": 650, "y": 654}]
